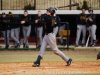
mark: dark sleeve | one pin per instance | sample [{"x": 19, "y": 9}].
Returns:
[{"x": 77, "y": 19}]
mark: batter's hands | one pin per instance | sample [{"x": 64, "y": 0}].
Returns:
[
  {"x": 36, "y": 21},
  {"x": 22, "y": 22}
]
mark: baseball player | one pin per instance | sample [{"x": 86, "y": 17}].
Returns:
[
  {"x": 26, "y": 25},
  {"x": 57, "y": 20},
  {"x": 14, "y": 29},
  {"x": 5, "y": 29},
  {"x": 39, "y": 27},
  {"x": 50, "y": 39},
  {"x": 91, "y": 20},
  {"x": 81, "y": 27}
]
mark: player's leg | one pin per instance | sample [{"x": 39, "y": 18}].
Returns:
[
  {"x": 13, "y": 36},
  {"x": 94, "y": 27},
  {"x": 28, "y": 29},
  {"x": 90, "y": 32},
  {"x": 40, "y": 35},
  {"x": 41, "y": 52},
  {"x": 8, "y": 37},
  {"x": 79, "y": 28},
  {"x": 4, "y": 35},
  {"x": 17, "y": 37},
  {"x": 24, "y": 36},
  {"x": 6, "y": 40},
  {"x": 84, "y": 34},
  {"x": 52, "y": 42}
]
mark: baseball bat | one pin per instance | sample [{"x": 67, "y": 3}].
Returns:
[
  {"x": 75, "y": 4},
  {"x": 87, "y": 42}
]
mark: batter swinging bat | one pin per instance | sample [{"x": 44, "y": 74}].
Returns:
[{"x": 76, "y": 4}]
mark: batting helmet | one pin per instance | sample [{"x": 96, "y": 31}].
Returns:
[
  {"x": 90, "y": 9},
  {"x": 51, "y": 10}
]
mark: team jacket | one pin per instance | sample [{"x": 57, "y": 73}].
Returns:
[
  {"x": 57, "y": 20},
  {"x": 5, "y": 23},
  {"x": 14, "y": 22},
  {"x": 49, "y": 23},
  {"x": 27, "y": 20},
  {"x": 81, "y": 19},
  {"x": 40, "y": 20},
  {"x": 93, "y": 17}
]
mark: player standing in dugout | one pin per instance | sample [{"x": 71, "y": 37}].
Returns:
[
  {"x": 26, "y": 27},
  {"x": 91, "y": 21},
  {"x": 50, "y": 39},
  {"x": 15, "y": 28},
  {"x": 5, "y": 28},
  {"x": 81, "y": 27},
  {"x": 39, "y": 28}
]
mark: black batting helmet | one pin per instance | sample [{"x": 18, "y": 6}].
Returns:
[
  {"x": 90, "y": 9},
  {"x": 51, "y": 10}
]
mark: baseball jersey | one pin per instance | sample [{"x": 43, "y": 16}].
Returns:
[
  {"x": 81, "y": 19},
  {"x": 27, "y": 20},
  {"x": 5, "y": 23},
  {"x": 49, "y": 22},
  {"x": 93, "y": 17},
  {"x": 40, "y": 19},
  {"x": 14, "y": 22}
]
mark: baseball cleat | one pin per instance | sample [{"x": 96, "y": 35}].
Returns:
[
  {"x": 69, "y": 62},
  {"x": 36, "y": 64}
]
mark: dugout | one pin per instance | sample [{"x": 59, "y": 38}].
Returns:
[{"x": 65, "y": 15}]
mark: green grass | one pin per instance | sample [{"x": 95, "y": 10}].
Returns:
[{"x": 30, "y": 56}]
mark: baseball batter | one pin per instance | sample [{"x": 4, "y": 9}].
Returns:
[
  {"x": 81, "y": 27},
  {"x": 91, "y": 20},
  {"x": 50, "y": 39},
  {"x": 26, "y": 25}
]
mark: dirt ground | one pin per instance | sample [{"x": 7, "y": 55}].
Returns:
[{"x": 55, "y": 68}]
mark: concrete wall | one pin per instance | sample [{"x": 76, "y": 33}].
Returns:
[{"x": 61, "y": 12}]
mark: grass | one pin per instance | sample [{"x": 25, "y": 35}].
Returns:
[{"x": 30, "y": 56}]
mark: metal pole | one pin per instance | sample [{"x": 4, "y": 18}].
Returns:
[
  {"x": 67, "y": 35},
  {"x": 70, "y": 4},
  {"x": 1, "y": 4},
  {"x": 34, "y": 4}
]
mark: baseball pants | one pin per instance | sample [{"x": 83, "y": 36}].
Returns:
[
  {"x": 81, "y": 28},
  {"x": 15, "y": 35},
  {"x": 39, "y": 33},
  {"x": 92, "y": 32},
  {"x": 6, "y": 41},
  {"x": 26, "y": 33},
  {"x": 50, "y": 39}
]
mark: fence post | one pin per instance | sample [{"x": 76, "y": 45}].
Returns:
[
  {"x": 1, "y": 4},
  {"x": 70, "y": 4},
  {"x": 35, "y": 4},
  {"x": 67, "y": 35}
]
